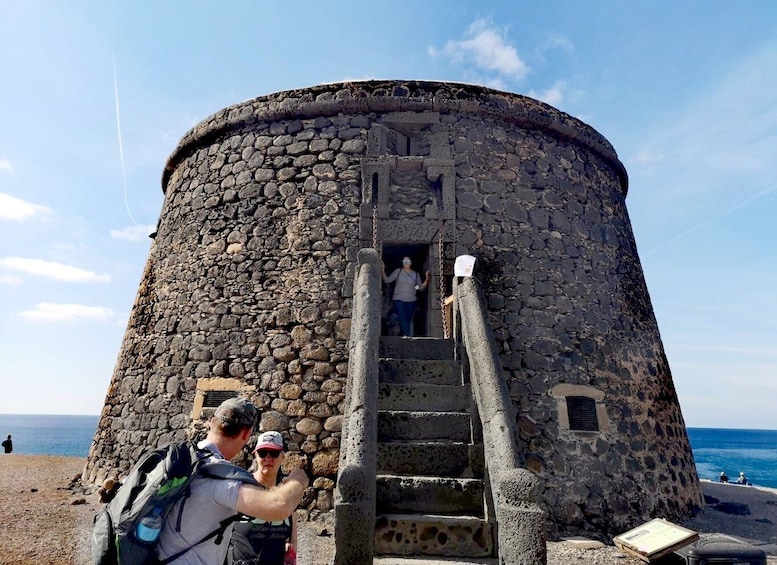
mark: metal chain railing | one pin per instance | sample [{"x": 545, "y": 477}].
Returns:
[
  {"x": 441, "y": 278},
  {"x": 375, "y": 228}
]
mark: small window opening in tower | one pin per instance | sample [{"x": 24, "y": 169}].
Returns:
[
  {"x": 402, "y": 144},
  {"x": 435, "y": 192},
  {"x": 581, "y": 411},
  {"x": 374, "y": 194}
]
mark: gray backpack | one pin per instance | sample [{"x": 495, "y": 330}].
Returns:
[{"x": 157, "y": 481}]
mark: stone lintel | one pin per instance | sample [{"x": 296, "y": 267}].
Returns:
[
  {"x": 420, "y": 118},
  {"x": 412, "y": 231}
]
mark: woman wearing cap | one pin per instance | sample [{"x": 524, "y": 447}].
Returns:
[
  {"x": 408, "y": 282},
  {"x": 258, "y": 542}
]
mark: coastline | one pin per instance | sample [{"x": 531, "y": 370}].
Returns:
[
  {"x": 47, "y": 518},
  {"x": 758, "y": 487}
]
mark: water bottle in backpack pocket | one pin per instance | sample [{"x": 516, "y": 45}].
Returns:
[{"x": 149, "y": 526}]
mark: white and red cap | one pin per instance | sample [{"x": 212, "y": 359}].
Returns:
[{"x": 269, "y": 440}]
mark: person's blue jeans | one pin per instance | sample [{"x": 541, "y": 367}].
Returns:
[{"x": 405, "y": 311}]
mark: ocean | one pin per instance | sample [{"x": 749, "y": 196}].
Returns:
[
  {"x": 753, "y": 452},
  {"x": 35, "y": 434}
]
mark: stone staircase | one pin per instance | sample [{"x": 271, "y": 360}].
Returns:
[{"x": 430, "y": 497}]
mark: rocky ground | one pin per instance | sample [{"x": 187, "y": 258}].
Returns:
[{"x": 46, "y": 519}]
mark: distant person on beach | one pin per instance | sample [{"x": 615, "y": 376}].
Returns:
[
  {"x": 260, "y": 542},
  {"x": 8, "y": 444},
  {"x": 212, "y": 500},
  {"x": 723, "y": 477},
  {"x": 742, "y": 480}
]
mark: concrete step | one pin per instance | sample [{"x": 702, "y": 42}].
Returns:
[
  {"x": 417, "y": 534},
  {"x": 405, "y": 425},
  {"x": 427, "y": 398},
  {"x": 436, "y": 560},
  {"x": 429, "y": 495},
  {"x": 415, "y": 348},
  {"x": 428, "y": 371},
  {"x": 431, "y": 459}
]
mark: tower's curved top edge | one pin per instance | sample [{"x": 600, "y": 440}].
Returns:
[{"x": 383, "y": 96}]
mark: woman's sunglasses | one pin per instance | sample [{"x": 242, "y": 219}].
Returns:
[{"x": 265, "y": 452}]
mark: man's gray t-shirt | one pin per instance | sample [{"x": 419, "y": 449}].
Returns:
[
  {"x": 210, "y": 502},
  {"x": 404, "y": 289}
]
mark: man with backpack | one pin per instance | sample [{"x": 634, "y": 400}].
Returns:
[{"x": 211, "y": 501}]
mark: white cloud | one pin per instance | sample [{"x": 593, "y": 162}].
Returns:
[
  {"x": 12, "y": 208},
  {"x": 133, "y": 233},
  {"x": 52, "y": 270},
  {"x": 553, "y": 95},
  {"x": 495, "y": 83},
  {"x": 48, "y": 312},
  {"x": 5, "y": 165},
  {"x": 486, "y": 47},
  {"x": 10, "y": 280},
  {"x": 555, "y": 41}
]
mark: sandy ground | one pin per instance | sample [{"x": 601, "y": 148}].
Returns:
[{"x": 46, "y": 519}]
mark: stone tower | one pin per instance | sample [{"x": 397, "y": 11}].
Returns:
[{"x": 247, "y": 288}]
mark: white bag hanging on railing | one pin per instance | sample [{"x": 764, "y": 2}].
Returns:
[{"x": 464, "y": 265}]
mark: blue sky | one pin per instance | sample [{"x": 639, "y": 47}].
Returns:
[{"x": 94, "y": 96}]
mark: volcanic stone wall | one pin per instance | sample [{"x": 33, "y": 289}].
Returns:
[{"x": 248, "y": 285}]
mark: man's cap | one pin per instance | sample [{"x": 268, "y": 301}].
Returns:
[
  {"x": 741, "y": 473},
  {"x": 269, "y": 440},
  {"x": 237, "y": 411}
]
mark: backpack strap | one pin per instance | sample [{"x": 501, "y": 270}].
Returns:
[
  {"x": 224, "y": 470},
  {"x": 219, "y": 469},
  {"x": 218, "y": 533}
]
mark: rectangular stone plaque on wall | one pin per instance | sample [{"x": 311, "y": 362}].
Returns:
[
  {"x": 213, "y": 391},
  {"x": 582, "y": 414},
  {"x": 213, "y": 398}
]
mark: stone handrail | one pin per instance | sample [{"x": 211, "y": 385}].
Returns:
[
  {"x": 520, "y": 519},
  {"x": 355, "y": 492}
]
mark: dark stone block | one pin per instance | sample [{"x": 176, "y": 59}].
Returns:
[{"x": 734, "y": 508}]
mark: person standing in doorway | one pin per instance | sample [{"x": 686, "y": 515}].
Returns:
[
  {"x": 8, "y": 444},
  {"x": 408, "y": 283}
]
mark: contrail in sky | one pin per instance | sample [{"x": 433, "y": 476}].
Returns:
[
  {"x": 121, "y": 147},
  {"x": 745, "y": 202}
]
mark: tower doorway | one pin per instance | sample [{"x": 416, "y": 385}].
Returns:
[{"x": 392, "y": 259}]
